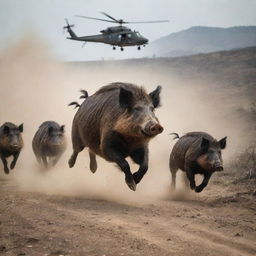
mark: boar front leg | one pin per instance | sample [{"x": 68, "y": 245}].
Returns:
[
  {"x": 56, "y": 159},
  {"x": 114, "y": 150},
  {"x": 44, "y": 160},
  {"x": 6, "y": 169},
  {"x": 123, "y": 164},
  {"x": 204, "y": 183},
  {"x": 15, "y": 158},
  {"x": 140, "y": 156}
]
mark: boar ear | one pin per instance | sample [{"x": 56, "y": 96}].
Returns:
[
  {"x": 205, "y": 144},
  {"x": 125, "y": 98},
  {"x": 21, "y": 128},
  {"x": 6, "y": 129},
  {"x": 223, "y": 142},
  {"x": 62, "y": 128},
  {"x": 155, "y": 96}
]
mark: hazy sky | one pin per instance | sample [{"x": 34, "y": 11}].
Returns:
[{"x": 45, "y": 18}]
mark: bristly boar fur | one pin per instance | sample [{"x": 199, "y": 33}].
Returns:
[
  {"x": 11, "y": 143},
  {"x": 116, "y": 122},
  {"x": 196, "y": 153}
]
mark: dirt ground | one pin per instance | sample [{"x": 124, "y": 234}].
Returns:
[{"x": 218, "y": 221}]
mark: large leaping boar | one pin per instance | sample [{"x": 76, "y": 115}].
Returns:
[
  {"x": 11, "y": 143},
  {"x": 116, "y": 122},
  {"x": 196, "y": 153}
]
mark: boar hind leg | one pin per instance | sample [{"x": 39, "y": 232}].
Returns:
[
  {"x": 72, "y": 159},
  {"x": 186, "y": 181},
  {"x": 6, "y": 169},
  {"x": 77, "y": 147},
  {"x": 173, "y": 172},
  {"x": 140, "y": 156},
  {"x": 38, "y": 157},
  {"x": 191, "y": 177},
  {"x": 15, "y": 158},
  {"x": 93, "y": 162}
]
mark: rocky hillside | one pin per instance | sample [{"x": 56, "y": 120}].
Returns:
[{"x": 203, "y": 40}]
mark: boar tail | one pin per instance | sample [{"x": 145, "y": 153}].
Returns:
[
  {"x": 74, "y": 103},
  {"x": 84, "y": 94},
  {"x": 176, "y": 135}
]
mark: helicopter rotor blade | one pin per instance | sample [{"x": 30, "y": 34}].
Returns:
[
  {"x": 152, "y": 21},
  {"x": 92, "y": 18},
  {"x": 121, "y": 21},
  {"x": 110, "y": 17}
]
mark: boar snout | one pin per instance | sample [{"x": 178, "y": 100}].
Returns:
[
  {"x": 156, "y": 129},
  {"x": 218, "y": 167},
  {"x": 15, "y": 146},
  {"x": 152, "y": 129}
]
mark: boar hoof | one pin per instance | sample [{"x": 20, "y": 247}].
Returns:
[
  {"x": 131, "y": 185},
  {"x": 71, "y": 162},
  {"x": 198, "y": 189},
  {"x": 192, "y": 186},
  {"x": 12, "y": 165},
  {"x": 6, "y": 170},
  {"x": 93, "y": 167},
  {"x": 136, "y": 177}
]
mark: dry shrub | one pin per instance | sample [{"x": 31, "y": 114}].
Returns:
[{"x": 244, "y": 165}]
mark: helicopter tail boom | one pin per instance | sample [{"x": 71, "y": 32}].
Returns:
[{"x": 72, "y": 33}]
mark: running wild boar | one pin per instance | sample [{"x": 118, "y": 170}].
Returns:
[
  {"x": 196, "y": 153},
  {"x": 11, "y": 143},
  {"x": 49, "y": 143},
  {"x": 116, "y": 122}
]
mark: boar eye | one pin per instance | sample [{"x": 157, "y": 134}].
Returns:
[{"x": 138, "y": 108}]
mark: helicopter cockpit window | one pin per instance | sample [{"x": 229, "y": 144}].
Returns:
[
  {"x": 129, "y": 35},
  {"x": 138, "y": 34}
]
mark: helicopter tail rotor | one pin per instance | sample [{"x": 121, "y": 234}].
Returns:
[
  {"x": 68, "y": 25},
  {"x": 68, "y": 28}
]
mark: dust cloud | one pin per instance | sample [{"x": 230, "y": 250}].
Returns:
[{"x": 36, "y": 87}]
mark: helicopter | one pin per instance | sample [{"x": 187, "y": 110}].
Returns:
[{"x": 117, "y": 36}]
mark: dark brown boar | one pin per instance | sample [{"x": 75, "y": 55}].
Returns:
[
  {"x": 11, "y": 143},
  {"x": 196, "y": 153},
  {"x": 116, "y": 122},
  {"x": 49, "y": 143}
]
